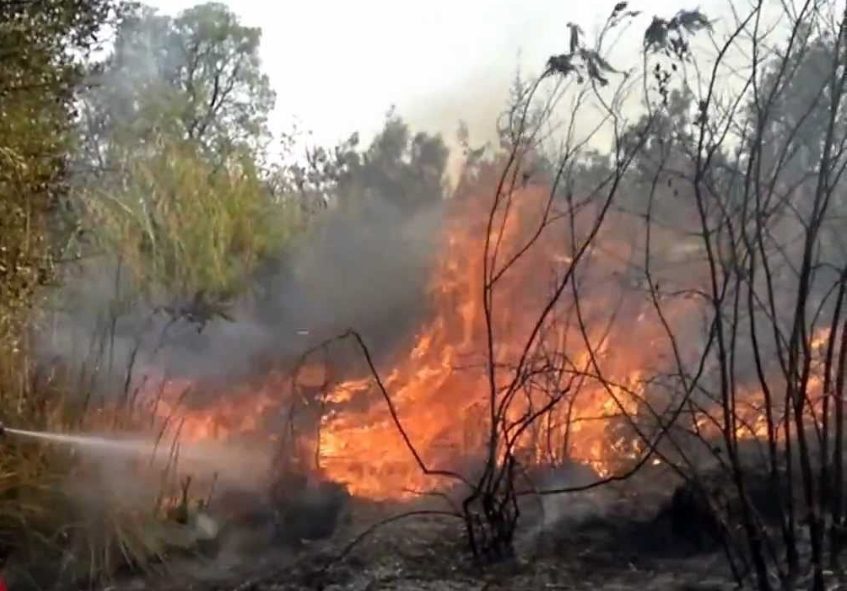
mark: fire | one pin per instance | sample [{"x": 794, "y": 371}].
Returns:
[
  {"x": 441, "y": 388},
  {"x": 237, "y": 414}
]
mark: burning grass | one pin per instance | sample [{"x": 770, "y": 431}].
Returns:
[
  {"x": 598, "y": 370},
  {"x": 439, "y": 385}
]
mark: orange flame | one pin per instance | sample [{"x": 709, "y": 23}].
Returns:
[{"x": 442, "y": 389}]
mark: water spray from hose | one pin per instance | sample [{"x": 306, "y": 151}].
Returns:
[
  {"x": 205, "y": 457},
  {"x": 85, "y": 441}
]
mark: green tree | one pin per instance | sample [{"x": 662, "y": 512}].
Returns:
[
  {"x": 174, "y": 126},
  {"x": 41, "y": 44},
  {"x": 398, "y": 169},
  {"x": 197, "y": 76}
]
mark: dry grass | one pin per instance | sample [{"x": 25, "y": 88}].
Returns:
[{"x": 64, "y": 516}]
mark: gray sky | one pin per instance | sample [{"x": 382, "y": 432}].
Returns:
[{"x": 339, "y": 65}]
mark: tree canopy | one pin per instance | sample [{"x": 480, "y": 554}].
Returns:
[
  {"x": 397, "y": 169},
  {"x": 42, "y": 45},
  {"x": 173, "y": 130},
  {"x": 196, "y": 77}
]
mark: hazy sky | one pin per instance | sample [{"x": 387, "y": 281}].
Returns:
[{"x": 339, "y": 65}]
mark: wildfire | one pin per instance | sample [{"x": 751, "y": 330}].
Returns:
[
  {"x": 595, "y": 357},
  {"x": 442, "y": 390}
]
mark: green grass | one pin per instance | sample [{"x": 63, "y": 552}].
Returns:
[{"x": 183, "y": 226}]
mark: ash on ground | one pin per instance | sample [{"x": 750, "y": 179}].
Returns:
[{"x": 586, "y": 540}]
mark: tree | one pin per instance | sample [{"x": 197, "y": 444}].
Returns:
[
  {"x": 397, "y": 170},
  {"x": 42, "y": 48},
  {"x": 197, "y": 77},
  {"x": 41, "y": 44},
  {"x": 763, "y": 173},
  {"x": 173, "y": 130}
]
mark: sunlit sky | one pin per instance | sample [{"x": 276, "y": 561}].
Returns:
[{"x": 337, "y": 66}]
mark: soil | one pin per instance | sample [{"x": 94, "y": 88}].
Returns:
[
  {"x": 584, "y": 549},
  {"x": 623, "y": 538}
]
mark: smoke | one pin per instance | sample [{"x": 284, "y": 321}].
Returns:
[
  {"x": 563, "y": 512},
  {"x": 367, "y": 271},
  {"x": 364, "y": 271}
]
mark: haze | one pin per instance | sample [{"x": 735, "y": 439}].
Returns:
[{"x": 339, "y": 66}]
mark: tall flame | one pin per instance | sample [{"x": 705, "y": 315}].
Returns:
[
  {"x": 442, "y": 391},
  {"x": 594, "y": 350}
]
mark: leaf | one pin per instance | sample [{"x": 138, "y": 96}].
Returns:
[
  {"x": 656, "y": 35},
  {"x": 560, "y": 64},
  {"x": 601, "y": 63},
  {"x": 619, "y": 7},
  {"x": 576, "y": 31},
  {"x": 692, "y": 20},
  {"x": 594, "y": 72}
]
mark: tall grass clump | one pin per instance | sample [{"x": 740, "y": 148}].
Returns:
[{"x": 184, "y": 225}]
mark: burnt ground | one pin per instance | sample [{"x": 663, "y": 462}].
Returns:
[
  {"x": 635, "y": 536},
  {"x": 426, "y": 554},
  {"x": 429, "y": 555},
  {"x": 599, "y": 540}
]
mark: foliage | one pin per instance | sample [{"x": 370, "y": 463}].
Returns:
[
  {"x": 671, "y": 36},
  {"x": 197, "y": 76},
  {"x": 173, "y": 132},
  {"x": 397, "y": 169},
  {"x": 185, "y": 226},
  {"x": 583, "y": 62},
  {"x": 38, "y": 71},
  {"x": 44, "y": 45}
]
